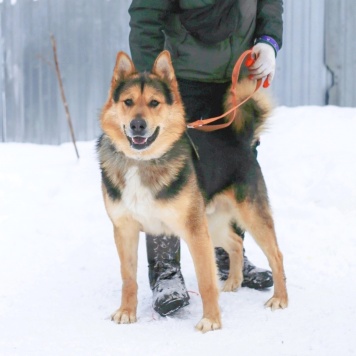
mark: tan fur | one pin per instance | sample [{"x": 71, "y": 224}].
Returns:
[
  {"x": 220, "y": 213},
  {"x": 183, "y": 216},
  {"x": 258, "y": 221},
  {"x": 139, "y": 175},
  {"x": 172, "y": 118},
  {"x": 243, "y": 89}
]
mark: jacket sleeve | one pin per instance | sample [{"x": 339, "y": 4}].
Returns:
[
  {"x": 269, "y": 20},
  {"x": 146, "y": 38}
]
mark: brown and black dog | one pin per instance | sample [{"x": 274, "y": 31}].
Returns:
[{"x": 150, "y": 184}]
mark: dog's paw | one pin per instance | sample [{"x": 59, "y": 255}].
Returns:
[
  {"x": 277, "y": 303},
  {"x": 206, "y": 325},
  {"x": 124, "y": 316},
  {"x": 231, "y": 284}
]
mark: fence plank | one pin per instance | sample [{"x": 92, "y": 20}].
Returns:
[
  {"x": 301, "y": 75},
  {"x": 340, "y": 51},
  {"x": 2, "y": 82}
]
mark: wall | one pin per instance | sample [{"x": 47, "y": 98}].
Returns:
[
  {"x": 316, "y": 66},
  {"x": 88, "y": 35},
  {"x": 302, "y": 77}
]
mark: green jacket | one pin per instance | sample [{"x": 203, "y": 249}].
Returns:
[{"x": 156, "y": 26}]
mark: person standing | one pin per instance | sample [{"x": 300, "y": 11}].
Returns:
[{"x": 204, "y": 38}]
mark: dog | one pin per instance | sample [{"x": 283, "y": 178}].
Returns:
[{"x": 150, "y": 184}]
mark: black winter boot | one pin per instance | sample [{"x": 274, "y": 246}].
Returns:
[
  {"x": 254, "y": 277},
  {"x": 166, "y": 279}
]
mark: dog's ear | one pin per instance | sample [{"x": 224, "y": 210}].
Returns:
[
  {"x": 123, "y": 68},
  {"x": 163, "y": 66}
]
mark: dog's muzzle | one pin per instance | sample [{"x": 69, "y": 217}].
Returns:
[{"x": 138, "y": 136}]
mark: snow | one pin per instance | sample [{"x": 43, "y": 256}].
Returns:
[{"x": 59, "y": 272}]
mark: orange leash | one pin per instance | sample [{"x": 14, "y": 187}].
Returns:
[{"x": 200, "y": 124}]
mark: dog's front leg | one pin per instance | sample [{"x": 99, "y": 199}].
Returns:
[
  {"x": 202, "y": 251},
  {"x": 126, "y": 233}
]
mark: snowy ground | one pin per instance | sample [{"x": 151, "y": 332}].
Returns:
[{"x": 59, "y": 273}]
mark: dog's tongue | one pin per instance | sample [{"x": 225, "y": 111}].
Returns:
[{"x": 137, "y": 140}]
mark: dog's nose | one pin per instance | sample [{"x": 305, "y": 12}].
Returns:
[{"x": 138, "y": 126}]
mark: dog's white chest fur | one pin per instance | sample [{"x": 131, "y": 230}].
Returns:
[
  {"x": 140, "y": 202},
  {"x": 137, "y": 198}
]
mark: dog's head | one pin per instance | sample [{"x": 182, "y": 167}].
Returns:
[{"x": 144, "y": 114}]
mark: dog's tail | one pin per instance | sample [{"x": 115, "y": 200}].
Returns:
[{"x": 250, "y": 119}]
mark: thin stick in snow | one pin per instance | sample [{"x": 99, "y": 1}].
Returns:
[{"x": 69, "y": 120}]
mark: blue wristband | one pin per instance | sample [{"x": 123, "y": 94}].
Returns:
[{"x": 269, "y": 40}]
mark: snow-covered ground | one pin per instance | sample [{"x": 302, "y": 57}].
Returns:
[{"x": 59, "y": 272}]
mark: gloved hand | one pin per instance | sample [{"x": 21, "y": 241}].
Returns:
[{"x": 265, "y": 63}]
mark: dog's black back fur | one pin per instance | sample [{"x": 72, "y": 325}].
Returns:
[
  {"x": 224, "y": 160},
  {"x": 226, "y": 157}
]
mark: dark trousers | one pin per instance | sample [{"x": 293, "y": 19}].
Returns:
[{"x": 202, "y": 100}]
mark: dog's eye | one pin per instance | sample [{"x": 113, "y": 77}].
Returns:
[
  {"x": 153, "y": 103},
  {"x": 128, "y": 102}
]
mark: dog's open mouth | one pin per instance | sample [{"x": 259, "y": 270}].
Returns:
[{"x": 141, "y": 142}]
